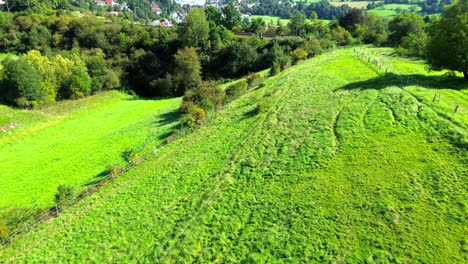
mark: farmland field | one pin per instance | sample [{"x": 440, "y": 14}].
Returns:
[
  {"x": 271, "y": 19},
  {"x": 357, "y": 4},
  {"x": 389, "y": 10},
  {"x": 352, "y": 162},
  {"x": 72, "y": 142}
]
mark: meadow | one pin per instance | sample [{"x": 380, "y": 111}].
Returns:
[
  {"x": 389, "y": 10},
  {"x": 73, "y": 142},
  {"x": 272, "y": 19},
  {"x": 352, "y": 161},
  {"x": 357, "y": 4}
]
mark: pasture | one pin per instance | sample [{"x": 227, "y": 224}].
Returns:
[
  {"x": 390, "y": 10},
  {"x": 272, "y": 19},
  {"x": 357, "y": 4},
  {"x": 73, "y": 142},
  {"x": 350, "y": 162}
]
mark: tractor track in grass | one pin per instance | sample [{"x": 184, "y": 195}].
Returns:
[
  {"x": 366, "y": 113},
  {"x": 230, "y": 162},
  {"x": 219, "y": 181},
  {"x": 336, "y": 135},
  {"x": 439, "y": 114}
]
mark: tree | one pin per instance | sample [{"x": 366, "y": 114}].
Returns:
[
  {"x": 195, "y": 30},
  {"x": 187, "y": 73},
  {"x": 21, "y": 83},
  {"x": 402, "y": 25},
  {"x": 232, "y": 17},
  {"x": 354, "y": 17},
  {"x": 257, "y": 25},
  {"x": 448, "y": 39},
  {"x": 297, "y": 24},
  {"x": 214, "y": 14},
  {"x": 47, "y": 71}
]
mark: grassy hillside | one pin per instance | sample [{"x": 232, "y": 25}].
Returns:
[
  {"x": 72, "y": 142},
  {"x": 348, "y": 164}
]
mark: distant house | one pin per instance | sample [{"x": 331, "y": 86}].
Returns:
[
  {"x": 113, "y": 13},
  {"x": 156, "y": 9},
  {"x": 156, "y": 23},
  {"x": 105, "y": 2},
  {"x": 178, "y": 17},
  {"x": 125, "y": 6}
]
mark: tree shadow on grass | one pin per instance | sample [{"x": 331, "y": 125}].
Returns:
[
  {"x": 391, "y": 79},
  {"x": 167, "y": 118}
]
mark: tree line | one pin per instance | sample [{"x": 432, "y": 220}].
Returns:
[{"x": 169, "y": 61}]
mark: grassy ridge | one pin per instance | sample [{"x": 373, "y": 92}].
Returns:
[
  {"x": 346, "y": 165},
  {"x": 72, "y": 142}
]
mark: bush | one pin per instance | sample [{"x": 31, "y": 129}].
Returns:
[
  {"x": 128, "y": 154},
  {"x": 253, "y": 79},
  {"x": 298, "y": 54},
  {"x": 275, "y": 69},
  {"x": 262, "y": 105},
  {"x": 4, "y": 233},
  {"x": 114, "y": 169},
  {"x": 208, "y": 96},
  {"x": 236, "y": 89},
  {"x": 195, "y": 116},
  {"x": 14, "y": 220},
  {"x": 65, "y": 196}
]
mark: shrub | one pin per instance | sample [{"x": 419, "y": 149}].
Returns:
[
  {"x": 4, "y": 233},
  {"x": 128, "y": 154},
  {"x": 298, "y": 54},
  {"x": 65, "y": 196},
  {"x": 253, "y": 79},
  {"x": 262, "y": 105},
  {"x": 236, "y": 89},
  {"x": 195, "y": 116},
  {"x": 208, "y": 96},
  {"x": 114, "y": 169},
  {"x": 275, "y": 69}
]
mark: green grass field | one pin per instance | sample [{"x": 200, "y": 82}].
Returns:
[
  {"x": 272, "y": 19},
  {"x": 389, "y": 10},
  {"x": 348, "y": 164},
  {"x": 72, "y": 142},
  {"x": 357, "y": 4}
]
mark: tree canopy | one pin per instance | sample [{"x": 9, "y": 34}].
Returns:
[{"x": 448, "y": 39}]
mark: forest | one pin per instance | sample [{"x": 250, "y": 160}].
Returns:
[{"x": 156, "y": 61}]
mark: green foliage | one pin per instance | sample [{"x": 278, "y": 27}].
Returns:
[
  {"x": 254, "y": 79},
  {"x": 275, "y": 69},
  {"x": 79, "y": 84},
  {"x": 195, "y": 30},
  {"x": 297, "y": 24},
  {"x": 128, "y": 154},
  {"x": 194, "y": 116},
  {"x": 21, "y": 84},
  {"x": 403, "y": 25},
  {"x": 447, "y": 47},
  {"x": 298, "y": 54},
  {"x": 262, "y": 105},
  {"x": 187, "y": 73},
  {"x": 65, "y": 196},
  {"x": 235, "y": 90},
  {"x": 232, "y": 17}
]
